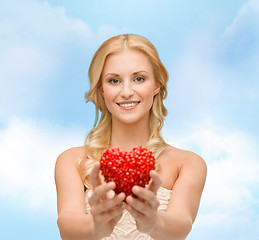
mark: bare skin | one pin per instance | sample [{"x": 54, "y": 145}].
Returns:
[
  {"x": 106, "y": 211},
  {"x": 128, "y": 87},
  {"x": 185, "y": 174}
]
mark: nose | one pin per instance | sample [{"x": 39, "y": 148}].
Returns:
[{"x": 127, "y": 90}]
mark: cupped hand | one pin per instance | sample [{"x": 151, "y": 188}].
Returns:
[
  {"x": 144, "y": 207},
  {"x": 106, "y": 211}
]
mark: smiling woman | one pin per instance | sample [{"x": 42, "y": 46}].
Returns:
[
  {"x": 128, "y": 94},
  {"x": 128, "y": 85}
]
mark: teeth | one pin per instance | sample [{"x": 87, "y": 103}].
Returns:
[{"x": 128, "y": 104}]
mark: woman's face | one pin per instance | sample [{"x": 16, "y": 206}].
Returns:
[{"x": 128, "y": 86}]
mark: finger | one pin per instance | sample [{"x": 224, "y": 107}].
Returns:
[
  {"x": 156, "y": 181},
  {"x": 139, "y": 206},
  {"x": 134, "y": 213},
  {"x": 94, "y": 175},
  {"x": 113, "y": 214},
  {"x": 118, "y": 217},
  {"x": 99, "y": 192},
  {"x": 108, "y": 204},
  {"x": 148, "y": 196}
]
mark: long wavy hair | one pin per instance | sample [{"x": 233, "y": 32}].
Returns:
[{"x": 98, "y": 138}]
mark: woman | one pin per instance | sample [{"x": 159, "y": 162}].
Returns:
[{"x": 128, "y": 85}]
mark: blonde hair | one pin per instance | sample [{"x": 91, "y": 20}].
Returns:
[{"x": 98, "y": 139}]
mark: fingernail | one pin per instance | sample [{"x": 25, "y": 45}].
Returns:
[
  {"x": 129, "y": 199},
  {"x": 121, "y": 195},
  {"x": 135, "y": 189},
  {"x": 111, "y": 184}
]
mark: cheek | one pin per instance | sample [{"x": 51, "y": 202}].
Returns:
[
  {"x": 107, "y": 92},
  {"x": 109, "y": 95},
  {"x": 147, "y": 93}
]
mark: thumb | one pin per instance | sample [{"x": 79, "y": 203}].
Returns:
[
  {"x": 94, "y": 175},
  {"x": 155, "y": 182}
]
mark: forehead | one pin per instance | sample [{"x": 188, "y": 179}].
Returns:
[{"x": 131, "y": 60}]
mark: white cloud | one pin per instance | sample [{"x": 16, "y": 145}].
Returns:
[
  {"x": 106, "y": 31},
  {"x": 28, "y": 151},
  {"x": 195, "y": 76},
  {"x": 246, "y": 19},
  {"x": 239, "y": 42},
  {"x": 195, "y": 86},
  {"x": 211, "y": 84},
  {"x": 40, "y": 46},
  {"x": 230, "y": 195},
  {"x": 35, "y": 38},
  {"x": 37, "y": 44},
  {"x": 217, "y": 78}
]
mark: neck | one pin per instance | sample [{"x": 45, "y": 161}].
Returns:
[{"x": 128, "y": 136}]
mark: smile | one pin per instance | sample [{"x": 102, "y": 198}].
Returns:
[{"x": 128, "y": 105}]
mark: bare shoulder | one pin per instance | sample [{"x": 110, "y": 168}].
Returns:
[
  {"x": 68, "y": 161},
  {"x": 71, "y": 155},
  {"x": 69, "y": 185},
  {"x": 190, "y": 181},
  {"x": 183, "y": 157},
  {"x": 175, "y": 163}
]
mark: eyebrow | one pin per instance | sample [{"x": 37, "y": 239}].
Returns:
[
  {"x": 117, "y": 75},
  {"x": 138, "y": 72},
  {"x": 112, "y": 74}
]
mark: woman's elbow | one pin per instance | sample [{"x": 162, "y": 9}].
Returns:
[
  {"x": 188, "y": 227},
  {"x": 64, "y": 229},
  {"x": 60, "y": 223}
]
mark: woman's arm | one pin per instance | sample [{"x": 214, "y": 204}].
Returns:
[
  {"x": 176, "y": 222},
  {"x": 184, "y": 203},
  {"x": 73, "y": 222}
]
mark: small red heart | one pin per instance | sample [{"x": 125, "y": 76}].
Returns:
[{"x": 127, "y": 169}]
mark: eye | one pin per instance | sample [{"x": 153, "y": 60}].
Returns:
[
  {"x": 139, "y": 79},
  {"x": 114, "y": 81}
]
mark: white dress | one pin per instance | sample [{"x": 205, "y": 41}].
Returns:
[{"x": 126, "y": 227}]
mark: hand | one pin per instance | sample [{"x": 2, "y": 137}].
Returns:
[
  {"x": 106, "y": 211},
  {"x": 144, "y": 207}
]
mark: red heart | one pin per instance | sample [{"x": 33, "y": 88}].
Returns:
[{"x": 127, "y": 169}]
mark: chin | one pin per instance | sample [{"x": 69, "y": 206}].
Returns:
[{"x": 130, "y": 120}]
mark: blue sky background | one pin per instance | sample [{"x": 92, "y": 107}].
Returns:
[{"x": 211, "y": 51}]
